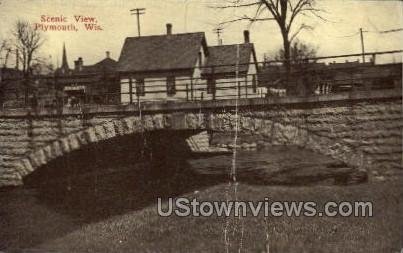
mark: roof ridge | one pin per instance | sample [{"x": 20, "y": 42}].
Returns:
[
  {"x": 161, "y": 52},
  {"x": 232, "y": 44},
  {"x": 164, "y": 35},
  {"x": 105, "y": 59}
]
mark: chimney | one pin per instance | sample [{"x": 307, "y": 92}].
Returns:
[
  {"x": 78, "y": 65},
  {"x": 108, "y": 54},
  {"x": 80, "y": 61},
  {"x": 169, "y": 29},
  {"x": 246, "y": 36}
]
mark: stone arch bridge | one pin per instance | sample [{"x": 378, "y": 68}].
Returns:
[{"x": 362, "y": 129}]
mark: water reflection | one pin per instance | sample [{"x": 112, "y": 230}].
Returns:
[
  {"x": 118, "y": 176},
  {"x": 121, "y": 175},
  {"x": 130, "y": 173}
]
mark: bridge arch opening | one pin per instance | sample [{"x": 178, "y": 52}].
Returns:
[
  {"x": 109, "y": 129},
  {"x": 119, "y": 174}
]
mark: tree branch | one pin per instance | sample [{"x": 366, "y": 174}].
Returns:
[
  {"x": 235, "y": 5},
  {"x": 245, "y": 18},
  {"x": 302, "y": 27}
]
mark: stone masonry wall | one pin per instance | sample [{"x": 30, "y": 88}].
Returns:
[
  {"x": 20, "y": 137},
  {"x": 367, "y": 135}
]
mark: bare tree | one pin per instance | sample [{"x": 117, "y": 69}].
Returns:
[
  {"x": 284, "y": 12},
  {"x": 27, "y": 42},
  {"x": 5, "y": 52}
]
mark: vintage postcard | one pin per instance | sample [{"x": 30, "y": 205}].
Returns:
[{"x": 270, "y": 126}]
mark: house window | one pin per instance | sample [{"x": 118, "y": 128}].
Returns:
[
  {"x": 254, "y": 84},
  {"x": 211, "y": 85},
  {"x": 140, "y": 88},
  {"x": 171, "y": 89}
]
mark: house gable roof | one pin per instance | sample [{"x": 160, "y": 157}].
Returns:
[
  {"x": 224, "y": 58},
  {"x": 105, "y": 65},
  {"x": 161, "y": 52}
]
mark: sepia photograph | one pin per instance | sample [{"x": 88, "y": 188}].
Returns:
[{"x": 225, "y": 126}]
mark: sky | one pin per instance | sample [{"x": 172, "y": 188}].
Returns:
[{"x": 338, "y": 35}]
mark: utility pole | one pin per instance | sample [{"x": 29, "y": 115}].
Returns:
[
  {"x": 138, "y": 12},
  {"x": 218, "y": 31},
  {"x": 362, "y": 46}
]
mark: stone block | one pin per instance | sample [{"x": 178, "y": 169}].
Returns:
[
  {"x": 91, "y": 135},
  {"x": 41, "y": 157},
  {"x": 128, "y": 126},
  {"x": 74, "y": 142},
  {"x": 27, "y": 167},
  {"x": 110, "y": 131},
  {"x": 48, "y": 152},
  {"x": 148, "y": 122},
  {"x": 65, "y": 145},
  {"x": 57, "y": 150},
  {"x": 119, "y": 127},
  {"x": 159, "y": 121},
  {"x": 82, "y": 138},
  {"x": 100, "y": 132},
  {"x": 34, "y": 160},
  {"x": 138, "y": 126},
  {"x": 167, "y": 121}
]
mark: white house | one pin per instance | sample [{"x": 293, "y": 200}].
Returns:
[
  {"x": 183, "y": 67},
  {"x": 161, "y": 67},
  {"x": 231, "y": 71}
]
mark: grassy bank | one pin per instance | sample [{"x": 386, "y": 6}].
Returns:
[{"x": 37, "y": 226}]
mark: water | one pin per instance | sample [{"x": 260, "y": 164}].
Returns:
[{"x": 115, "y": 178}]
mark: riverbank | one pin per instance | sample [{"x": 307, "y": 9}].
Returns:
[
  {"x": 106, "y": 201},
  {"x": 38, "y": 227}
]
